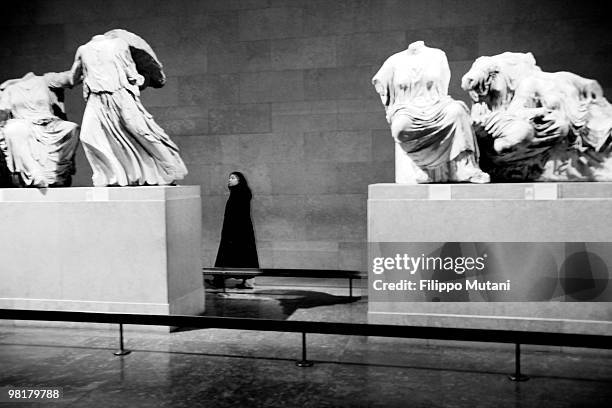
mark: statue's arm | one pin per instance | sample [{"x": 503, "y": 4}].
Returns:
[
  {"x": 8, "y": 83},
  {"x": 383, "y": 83},
  {"x": 75, "y": 75},
  {"x": 5, "y": 106},
  {"x": 130, "y": 68},
  {"x": 383, "y": 92},
  {"x": 58, "y": 80}
]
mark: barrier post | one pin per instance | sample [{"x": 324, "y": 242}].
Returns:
[
  {"x": 304, "y": 361},
  {"x": 121, "y": 351},
  {"x": 517, "y": 376}
]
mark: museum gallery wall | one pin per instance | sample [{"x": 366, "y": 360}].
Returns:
[{"x": 281, "y": 90}]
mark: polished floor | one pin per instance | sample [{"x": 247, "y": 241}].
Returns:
[{"x": 229, "y": 368}]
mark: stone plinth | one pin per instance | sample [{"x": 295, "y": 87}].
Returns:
[
  {"x": 103, "y": 249},
  {"x": 565, "y": 213}
]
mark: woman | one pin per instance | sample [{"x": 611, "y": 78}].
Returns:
[{"x": 237, "y": 248}]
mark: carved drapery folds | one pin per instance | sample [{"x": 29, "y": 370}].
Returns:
[
  {"x": 538, "y": 126},
  {"x": 432, "y": 129}
]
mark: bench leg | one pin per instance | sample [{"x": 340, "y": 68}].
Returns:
[{"x": 351, "y": 288}]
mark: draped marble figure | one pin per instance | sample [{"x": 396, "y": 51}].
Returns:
[
  {"x": 431, "y": 128},
  {"x": 539, "y": 126},
  {"x": 38, "y": 145},
  {"x": 122, "y": 142}
]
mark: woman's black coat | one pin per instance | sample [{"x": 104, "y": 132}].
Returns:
[{"x": 237, "y": 248}]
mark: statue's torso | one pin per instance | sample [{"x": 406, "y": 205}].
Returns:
[
  {"x": 30, "y": 98},
  {"x": 104, "y": 65},
  {"x": 419, "y": 78}
]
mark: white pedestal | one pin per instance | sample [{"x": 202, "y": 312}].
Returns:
[
  {"x": 494, "y": 213},
  {"x": 115, "y": 249}
]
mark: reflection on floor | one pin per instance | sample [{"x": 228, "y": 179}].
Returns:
[
  {"x": 229, "y": 368},
  {"x": 272, "y": 302}
]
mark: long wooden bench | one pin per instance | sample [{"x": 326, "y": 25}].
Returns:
[{"x": 246, "y": 273}]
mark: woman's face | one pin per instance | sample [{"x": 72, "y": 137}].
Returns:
[{"x": 233, "y": 180}]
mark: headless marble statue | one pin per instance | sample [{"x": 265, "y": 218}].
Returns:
[
  {"x": 433, "y": 130},
  {"x": 539, "y": 126},
  {"x": 122, "y": 142},
  {"x": 38, "y": 145}
]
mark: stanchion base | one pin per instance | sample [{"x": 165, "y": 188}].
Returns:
[
  {"x": 122, "y": 352},
  {"x": 304, "y": 363},
  {"x": 519, "y": 378}
]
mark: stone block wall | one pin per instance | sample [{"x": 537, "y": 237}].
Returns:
[{"x": 280, "y": 89}]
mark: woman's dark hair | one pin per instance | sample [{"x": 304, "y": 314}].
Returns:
[{"x": 242, "y": 187}]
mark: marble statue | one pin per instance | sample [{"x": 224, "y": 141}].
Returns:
[
  {"x": 433, "y": 130},
  {"x": 538, "y": 126},
  {"x": 38, "y": 145},
  {"x": 122, "y": 142}
]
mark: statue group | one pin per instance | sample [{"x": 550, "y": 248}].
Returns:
[
  {"x": 122, "y": 142},
  {"x": 524, "y": 124}
]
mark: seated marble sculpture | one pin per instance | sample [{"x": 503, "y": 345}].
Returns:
[
  {"x": 432, "y": 129},
  {"x": 538, "y": 126},
  {"x": 122, "y": 142},
  {"x": 38, "y": 145}
]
